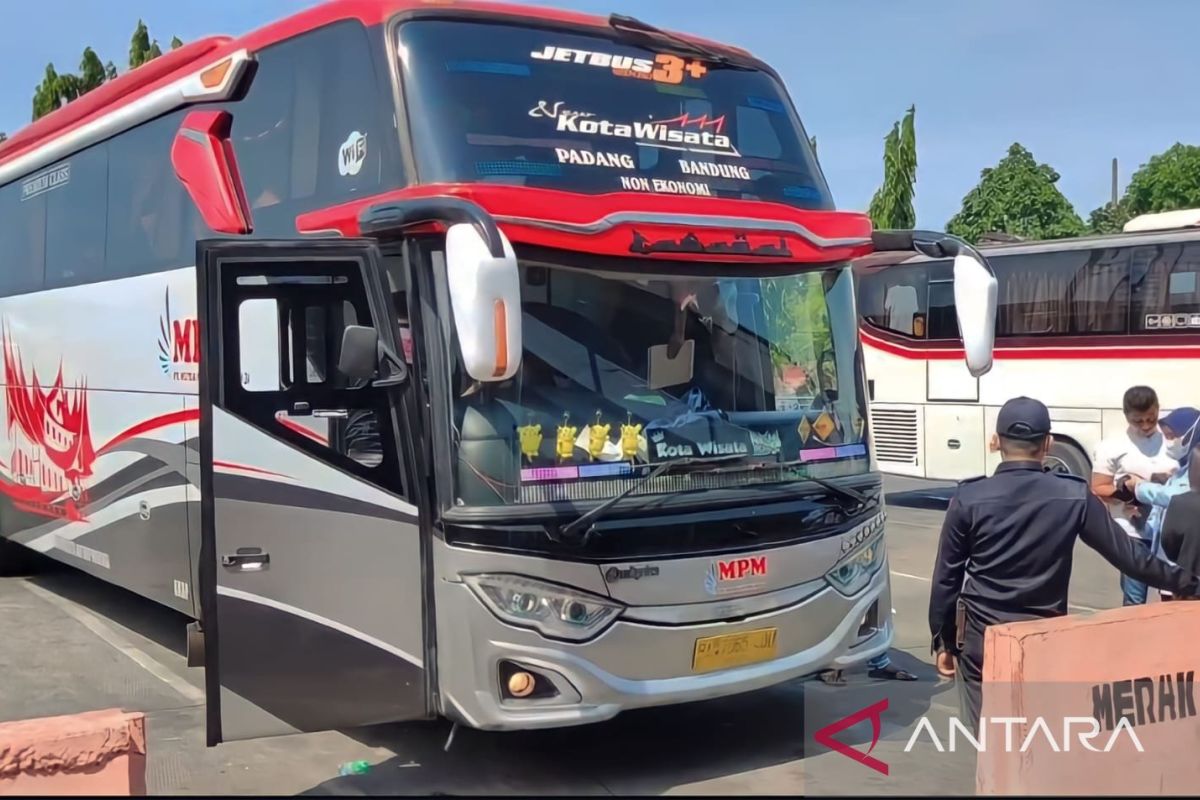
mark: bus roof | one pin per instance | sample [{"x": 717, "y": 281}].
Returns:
[
  {"x": 1165, "y": 220},
  {"x": 886, "y": 258},
  {"x": 192, "y": 58}
]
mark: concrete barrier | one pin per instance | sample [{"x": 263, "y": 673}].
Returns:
[
  {"x": 1132, "y": 670},
  {"x": 97, "y": 753}
]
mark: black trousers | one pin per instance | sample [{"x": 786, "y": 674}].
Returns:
[{"x": 968, "y": 674}]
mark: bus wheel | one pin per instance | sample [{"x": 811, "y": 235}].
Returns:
[
  {"x": 16, "y": 559},
  {"x": 1067, "y": 459}
]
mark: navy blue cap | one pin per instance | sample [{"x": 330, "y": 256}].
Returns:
[{"x": 1023, "y": 418}]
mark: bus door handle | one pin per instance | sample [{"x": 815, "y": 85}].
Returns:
[{"x": 247, "y": 559}]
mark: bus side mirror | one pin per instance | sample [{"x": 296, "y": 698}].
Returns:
[
  {"x": 485, "y": 295},
  {"x": 975, "y": 292},
  {"x": 359, "y": 356}
]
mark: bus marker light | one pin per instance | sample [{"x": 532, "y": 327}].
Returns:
[{"x": 214, "y": 76}]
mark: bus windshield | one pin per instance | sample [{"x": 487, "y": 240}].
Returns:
[
  {"x": 623, "y": 372},
  {"x": 490, "y": 102}
]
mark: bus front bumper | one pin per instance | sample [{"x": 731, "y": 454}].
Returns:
[{"x": 635, "y": 665}]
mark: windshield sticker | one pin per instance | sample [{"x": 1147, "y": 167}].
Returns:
[
  {"x": 802, "y": 192},
  {"x": 766, "y": 443},
  {"x": 636, "y": 183},
  {"x": 690, "y": 243},
  {"x": 692, "y": 134},
  {"x": 766, "y": 104},
  {"x": 663, "y": 68},
  {"x": 587, "y": 158},
  {"x": 352, "y": 154},
  {"x": 47, "y": 181},
  {"x": 488, "y": 68},
  {"x": 708, "y": 169}
]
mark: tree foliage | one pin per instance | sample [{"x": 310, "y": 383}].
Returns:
[
  {"x": 1018, "y": 196},
  {"x": 893, "y": 204},
  {"x": 3, "y": 136},
  {"x": 58, "y": 89},
  {"x": 1169, "y": 181}
]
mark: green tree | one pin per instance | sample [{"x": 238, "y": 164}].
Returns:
[
  {"x": 1169, "y": 181},
  {"x": 53, "y": 92},
  {"x": 92, "y": 73},
  {"x": 139, "y": 46},
  {"x": 176, "y": 43},
  {"x": 892, "y": 206},
  {"x": 3, "y": 136},
  {"x": 1018, "y": 196},
  {"x": 1109, "y": 218}
]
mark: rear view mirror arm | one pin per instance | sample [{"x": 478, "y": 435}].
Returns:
[{"x": 383, "y": 217}]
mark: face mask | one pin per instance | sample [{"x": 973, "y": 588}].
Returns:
[{"x": 1175, "y": 448}]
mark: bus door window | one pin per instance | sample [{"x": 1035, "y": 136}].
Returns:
[{"x": 1166, "y": 293}]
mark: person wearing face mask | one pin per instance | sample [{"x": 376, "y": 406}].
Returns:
[
  {"x": 1179, "y": 430},
  {"x": 1137, "y": 453}
]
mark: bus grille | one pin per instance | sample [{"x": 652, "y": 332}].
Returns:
[{"x": 894, "y": 434}]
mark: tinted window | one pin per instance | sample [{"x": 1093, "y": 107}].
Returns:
[
  {"x": 1063, "y": 293},
  {"x": 76, "y": 225},
  {"x": 943, "y": 322},
  {"x": 22, "y": 237},
  {"x": 531, "y": 107},
  {"x": 308, "y": 132},
  {"x": 152, "y": 223},
  {"x": 1166, "y": 287}
]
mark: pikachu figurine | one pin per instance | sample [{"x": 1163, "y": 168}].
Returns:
[
  {"x": 597, "y": 438},
  {"x": 629, "y": 439},
  {"x": 531, "y": 440},
  {"x": 565, "y": 444}
]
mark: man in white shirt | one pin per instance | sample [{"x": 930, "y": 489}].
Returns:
[{"x": 1136, "y": 451}]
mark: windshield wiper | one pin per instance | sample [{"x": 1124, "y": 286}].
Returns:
[
  {"x": 621, "y": 22},
  {"x": 853, "y": 494},
  {"x": 667, "y": 466}
]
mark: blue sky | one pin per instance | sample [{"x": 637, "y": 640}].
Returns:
[{"x": 1078, "y": 82}]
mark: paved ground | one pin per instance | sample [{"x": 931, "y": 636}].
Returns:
[{"x": 69, "y": 643}]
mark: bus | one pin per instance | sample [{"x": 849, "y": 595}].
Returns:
[
  {"x": 450, "y": 359},
  {"x": 1078, "y": 322}
]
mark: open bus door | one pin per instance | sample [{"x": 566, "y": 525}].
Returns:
[{"x": 311, "y": 560}]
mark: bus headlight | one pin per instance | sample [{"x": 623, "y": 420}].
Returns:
[
  {"x": 554, "y": 611},
  {"x": 851, "y": 575}
]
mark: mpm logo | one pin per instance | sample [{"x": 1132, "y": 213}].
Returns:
[{"x": 178, "y": 344}]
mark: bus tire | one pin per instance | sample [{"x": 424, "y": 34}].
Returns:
[
  {"x": 15, "y": 559},
  {"x": 1066, "y": 458}
]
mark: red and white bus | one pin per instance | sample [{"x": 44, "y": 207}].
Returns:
[
  {"x": 451, "y": 359},
  {"x": 1079, "y": 321}
]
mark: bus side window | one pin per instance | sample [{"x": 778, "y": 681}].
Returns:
[
  {"x": 1166, "y": 293},
  {"x": 22, "y": 241}
]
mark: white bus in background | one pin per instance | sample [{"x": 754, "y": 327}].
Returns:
[{"x": 1079, "y": 322}]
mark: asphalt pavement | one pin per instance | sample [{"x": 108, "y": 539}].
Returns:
[{"x": 70, "y": 643}]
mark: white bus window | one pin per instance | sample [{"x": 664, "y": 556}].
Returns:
[
  {"x": 258, "y": 345},
  {"x": 900, "y": 308}
]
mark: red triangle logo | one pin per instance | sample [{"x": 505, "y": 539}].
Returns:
[{"x": 872, "y": 712}]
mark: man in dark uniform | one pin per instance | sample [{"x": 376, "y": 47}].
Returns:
[{"x": 1011, "y": 536}]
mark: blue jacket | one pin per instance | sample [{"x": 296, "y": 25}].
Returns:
[{"x": 1158, "y": 495}]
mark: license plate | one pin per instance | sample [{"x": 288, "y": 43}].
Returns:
[{"x": 734, "y": 649}]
